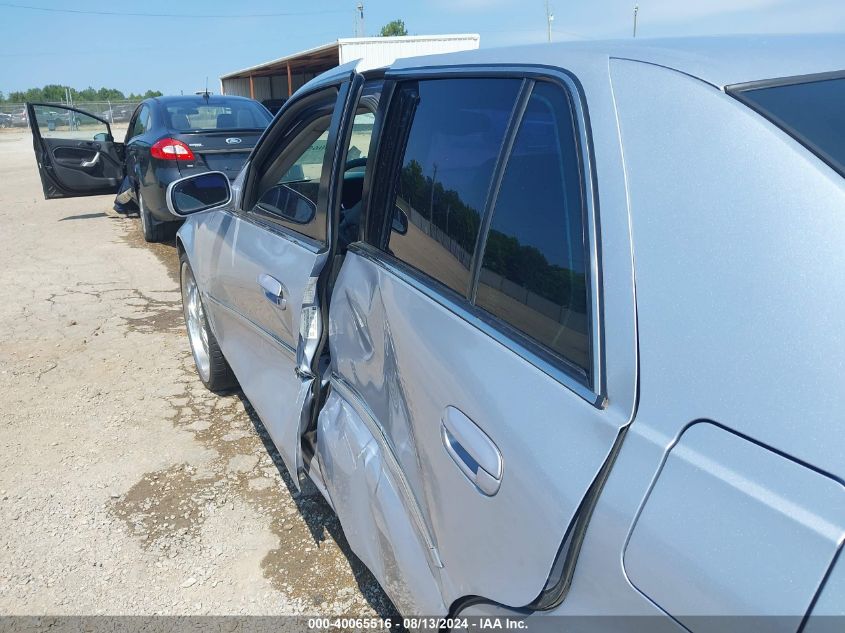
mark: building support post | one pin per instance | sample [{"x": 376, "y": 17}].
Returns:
[
  {"x": 290, "y": 81},
  {"x": 251, "y": 88}
]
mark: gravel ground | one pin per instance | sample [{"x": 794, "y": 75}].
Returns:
[{"x": 125, "y": 487}]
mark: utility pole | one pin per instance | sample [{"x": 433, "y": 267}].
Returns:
[
  {"x": 549, "y": 19},
  {"x": 636, "y": 10},
  {"x": 359, "y": 28}
]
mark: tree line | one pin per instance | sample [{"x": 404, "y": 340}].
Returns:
[{"x": 57, "y": 93}]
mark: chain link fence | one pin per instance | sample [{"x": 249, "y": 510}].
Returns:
[{"x": 14, "y": 114}]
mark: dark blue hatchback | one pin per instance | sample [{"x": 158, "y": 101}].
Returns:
[{"x": 167, "y": 138}]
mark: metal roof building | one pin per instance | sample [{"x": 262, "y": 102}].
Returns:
[{"x": 278, "y": 79}]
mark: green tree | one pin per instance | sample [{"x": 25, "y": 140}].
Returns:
[
  {"x": 89, "y": 94},
  {"x": 396, "y": 27},
  {"x": 34, "y": 94},
  {"x": 110, "y": 94},
  {"x": 54, "y": 92}
]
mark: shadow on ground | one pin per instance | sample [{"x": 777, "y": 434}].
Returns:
[{"x": 84, "y": 216}]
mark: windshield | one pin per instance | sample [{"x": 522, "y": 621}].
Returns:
[
  {"x": 221, "y": 114},
  {"x": 811, "y": 110}
]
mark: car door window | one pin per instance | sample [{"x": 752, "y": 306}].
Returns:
[
  {"x": 454, "y": 140},
  {"x": 533, "y": 274},
  {"x": 59, "y": 122},
  {"x": 531, "y": 282},
  {"x": 289, "y": 191},
  {"x": 355, "y": 169},
  {"x": 141, "y": 123}
]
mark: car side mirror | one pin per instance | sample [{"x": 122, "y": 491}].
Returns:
[
  {"x": 198, "y": 193},
  {"x": 400, "y": 221},
  {"x": 103, "y": 137}
]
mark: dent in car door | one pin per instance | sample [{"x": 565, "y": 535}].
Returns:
[
  {"x": 264, "y": 292},
  {"x": 75, "y": 152}
]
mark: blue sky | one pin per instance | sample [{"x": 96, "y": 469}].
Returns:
[{"x": 136, "y": 53}]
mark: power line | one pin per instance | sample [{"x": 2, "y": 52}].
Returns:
[{"x": 167, "y": 15}]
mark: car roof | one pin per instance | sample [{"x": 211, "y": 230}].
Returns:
[{"x": 718, "y": 60}]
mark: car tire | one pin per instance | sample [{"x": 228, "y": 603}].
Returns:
[
  {"x": 153, "y": 230},
  {"x": 212, "y": 367}
]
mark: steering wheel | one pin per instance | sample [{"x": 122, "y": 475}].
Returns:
[{"x": 355, "y": 162}]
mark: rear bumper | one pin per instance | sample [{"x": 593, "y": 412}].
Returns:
[{"x": 155, "y": 193}]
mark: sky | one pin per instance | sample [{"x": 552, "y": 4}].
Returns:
[{"x": 174, "y": 46}]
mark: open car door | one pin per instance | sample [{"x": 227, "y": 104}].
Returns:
[
  {"x": 266, "y": 288},
  {"x": 75, "y": 151}
]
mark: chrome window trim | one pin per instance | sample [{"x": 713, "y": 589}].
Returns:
[
  {"x": 594, "y": 390},
  {"x": 476, "y": 317},
  {"x": 272, "y": 338},
  {"x": 791, "y": 80}
]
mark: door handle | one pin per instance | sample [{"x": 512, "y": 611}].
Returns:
[
  {"x": 274, "y": 290},
  {"x": 475, "y": 454},
  {"x": 90, "y": 163}
]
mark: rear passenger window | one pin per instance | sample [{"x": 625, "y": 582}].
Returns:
[
  {"x": 533, "y": 273},
  {"x": 453, "y": 142},
  {"x": 142, "y": 122}
]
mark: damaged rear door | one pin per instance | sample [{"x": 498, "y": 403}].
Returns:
[
  {"x": 270, "y": 261},
  {"x": 468, "y": 406},
  {"x": 75, "y": 151}
]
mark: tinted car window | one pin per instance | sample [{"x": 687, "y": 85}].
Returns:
[
  {"x": 533, "y": 273},
  {"x": 454, "y": 140},
  {"x": 142, "y": 122},
  {"x": 810, "y": 111},
  {"x": 190, "y": 115}
]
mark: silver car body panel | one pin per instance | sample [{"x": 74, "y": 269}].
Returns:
[
  {"x": 390, "y": 344},
  {"x": 717, "y": 60},
  {"x": 360, "y": 471},
  {"x": 736, "y": 228},
  {"x": 378, "y": 321},
  {"x": 735, "y": 516},
  {"x": 735, "y": 232},
  {"x": 258, "y": 337}
]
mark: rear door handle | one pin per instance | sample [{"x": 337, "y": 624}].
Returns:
[
  {"x": 274, "y": 290},
  {"x": 475, "y": 454}
]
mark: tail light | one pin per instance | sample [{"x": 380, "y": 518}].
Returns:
[{"x": 171, "y": 149}]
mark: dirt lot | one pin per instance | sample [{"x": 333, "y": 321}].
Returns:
[{"x": 126, "y": 487}]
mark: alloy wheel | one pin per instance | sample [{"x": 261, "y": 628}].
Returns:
[{"x": 196, "y": 322}]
